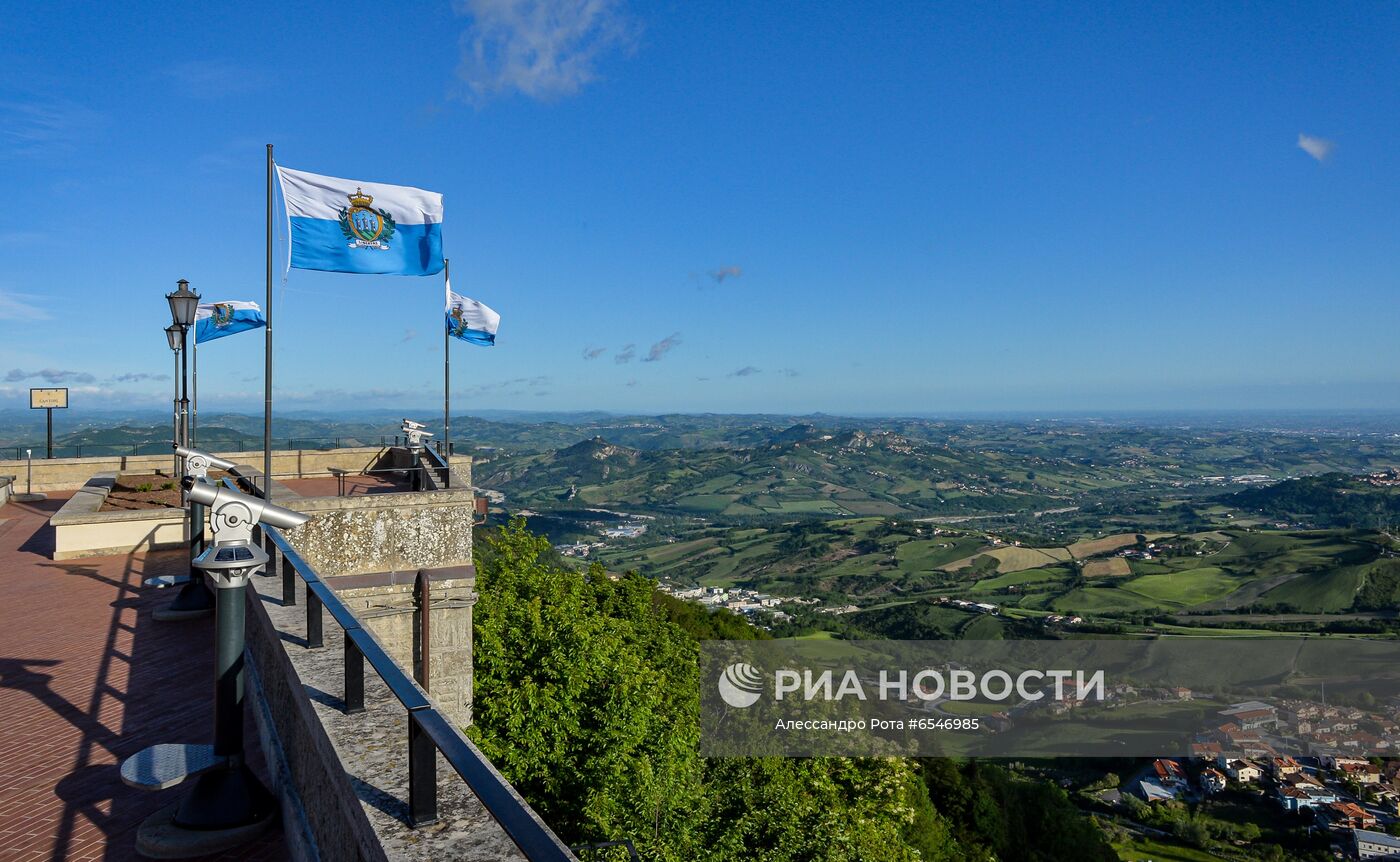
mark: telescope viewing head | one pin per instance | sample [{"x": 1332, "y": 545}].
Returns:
[
  {"x": 198, "y": 463},
  {"x": 232, "y": 556},
  {"x": 415, "y": 433}
]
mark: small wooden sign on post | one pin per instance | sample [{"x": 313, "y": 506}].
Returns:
[{"x": 49, "y": 400}]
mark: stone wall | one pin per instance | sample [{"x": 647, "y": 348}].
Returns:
[
  {"x": 386, "y": 532},
  {"x": 63, "y": 474},
  {"x": 388, "y": 604},
  {"x": 371, "y": 548}
]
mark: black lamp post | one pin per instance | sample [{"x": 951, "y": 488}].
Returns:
[
  {"x": 184, "y": 304},
  {"x": 194, "y": 598},
  {"x": 173, "y": 335}
]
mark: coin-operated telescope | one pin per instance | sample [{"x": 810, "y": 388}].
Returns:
[
  {"x": 228, "y": 803},
  {"x": 414, "y": 433},
  {"x": 233, "y": 556},
  {"x": 198, "y": 464}
]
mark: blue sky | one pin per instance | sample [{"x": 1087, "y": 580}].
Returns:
[{"x": 865, "y": 207}]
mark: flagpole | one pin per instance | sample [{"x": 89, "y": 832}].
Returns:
[
  {"x": 267, "y": 347},
  {"x": 446, "y": 384},
  {"x": 194, "y": 415}
]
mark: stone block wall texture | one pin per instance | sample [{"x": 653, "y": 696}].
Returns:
[
  {"x": 391, "y": 612},
  {"x": 315, "y": 791},
  {"x": 395, "y": 535}
]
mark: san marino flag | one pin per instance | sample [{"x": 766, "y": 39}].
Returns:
[
  {"x": 351, "y": 226},
  {"x": 470, "y": 320},
  {"x": 216, "y": 319}
]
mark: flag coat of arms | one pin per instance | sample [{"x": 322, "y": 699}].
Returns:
[
  {"x": 339, "y": 225},
  {"x": 216, "y": 319},
  {"x": 470, "y": 320}
]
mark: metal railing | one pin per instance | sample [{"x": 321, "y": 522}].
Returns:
[
  {"x": 429, "y": 730},
  {"x": 162, "y": 447}
]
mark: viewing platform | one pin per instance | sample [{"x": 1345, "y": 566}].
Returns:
[{"x": 365, "y": 763}]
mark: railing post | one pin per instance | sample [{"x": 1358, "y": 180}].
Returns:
[
  {"x": 354, "y": 677},
  {"x": 313, "y": 619},
  {"x": 422, "y": 774},
  {"x": 423, "y": 587},
  {"x": 272, "y": 554},
  {"x": 289, "y": 583}
]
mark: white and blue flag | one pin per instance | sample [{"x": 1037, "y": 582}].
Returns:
[
  {"x": 470, "y": 320},
  {"x": 341, "y": 225},
  {"x": 216, "y": 319}
]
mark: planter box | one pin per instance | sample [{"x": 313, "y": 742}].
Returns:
[{"x": 80, "y": 530}]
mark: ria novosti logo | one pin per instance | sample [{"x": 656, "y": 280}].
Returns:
[{"x": 740, "y": 685}]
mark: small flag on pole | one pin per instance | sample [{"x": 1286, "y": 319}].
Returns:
[
  {"x": 216, "y": 319},
  {"x": 352, "y": 226},
  {"x": 470, "y": 320}
]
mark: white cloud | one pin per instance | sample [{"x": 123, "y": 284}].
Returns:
[
  {"x": 543, "y": 49},
  {"x": 49, "y": 375},
  {"x": 44, "y": 127},
  {"x": 1319, "y": 148},
  {"x": 16, "y": 306}
]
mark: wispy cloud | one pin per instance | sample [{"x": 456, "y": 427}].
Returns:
[
  {"x": 543, "y": 49},
  {"x": 215, "y": 79},
  {"x": 661, "y": 348},
  {"x": 138, "y": 377},
  {"x": 44, "y": 126},
  {"x": 591, "y": 353},
  {"x": 16, "y": 306},
  {"x": 726, "y": 272},
  {"x": 746, "y": 371},
  {"x": 1319, "y": 148},
  {"x": 49, "y": 375},
  {"x": 512, "y": 386},
  {"x": 624, "y": 356}
]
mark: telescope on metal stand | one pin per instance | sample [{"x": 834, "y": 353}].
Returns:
[
  {"x": 414, "y": 436},
  {"x": 228, "y": 805}
]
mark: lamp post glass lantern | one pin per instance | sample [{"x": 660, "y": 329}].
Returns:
[{"x": 184, "y": 304}]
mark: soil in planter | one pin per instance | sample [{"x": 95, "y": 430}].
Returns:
[{"x": 148, "y": 491}]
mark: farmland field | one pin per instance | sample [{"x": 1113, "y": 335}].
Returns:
[
  {"x": 1190, "y": 587},
  {"x": 1113, "y": 566}
]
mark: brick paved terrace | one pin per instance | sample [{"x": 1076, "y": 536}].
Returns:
[
  {"x": 87, "y": 678},
  {"x": 352, "y": 485}
]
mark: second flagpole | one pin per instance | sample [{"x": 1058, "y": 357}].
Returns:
[
  {"x": 267, "y": 347},
  {"x": 446, "y": 380}
]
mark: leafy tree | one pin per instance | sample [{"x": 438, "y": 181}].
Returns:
[{"x": 587, "y": 701}]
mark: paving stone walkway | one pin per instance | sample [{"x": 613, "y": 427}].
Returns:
[{"x": 87, "y": 678}]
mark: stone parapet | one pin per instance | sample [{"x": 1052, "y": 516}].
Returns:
[{"x": 63, "y": 474}]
